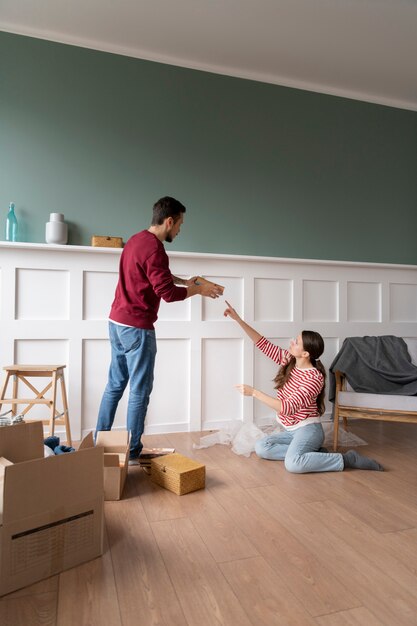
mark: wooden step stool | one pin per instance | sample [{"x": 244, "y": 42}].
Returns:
[{"x": 55, "y": 373}]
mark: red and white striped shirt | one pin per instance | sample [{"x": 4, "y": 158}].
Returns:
[{"x": 299, "y": 394}]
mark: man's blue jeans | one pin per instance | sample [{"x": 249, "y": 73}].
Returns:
[
  {"x": 133, "y": 352},
  {"x": 300, "y": 450}
]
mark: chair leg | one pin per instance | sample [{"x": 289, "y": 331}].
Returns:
[{"x": 336, "y": 428}]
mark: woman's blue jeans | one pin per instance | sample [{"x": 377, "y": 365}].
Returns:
[
  {"x": 133, "y": 352},
  {"x": 299, "y": 449}
]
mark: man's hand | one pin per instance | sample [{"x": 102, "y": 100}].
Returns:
[
  {"x": 202, "y": 287},
  {"x": 190, "y": 281},
  {"x": 211, "y": 291},
  {"x": 206, "y": 288},
  {"x": 219, "y": 289}
]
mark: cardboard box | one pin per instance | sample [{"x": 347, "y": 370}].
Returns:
[
  {"x": 177, "y": 473},
  {"x": 51, "y": 509},
  {"x": 115, "y": 445}
]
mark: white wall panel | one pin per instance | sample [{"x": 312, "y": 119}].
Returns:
[
  {"x": 364, "y": 302},
  {"x": 170, "y": 405},
  {"x": 320, "y": 301},
  {"x": 175, "y": 311},
  {"x": 42, "y": 294},
  {"x": 55, "y": 301},
  {"x": 273, "y": 299},
  {"x": 98, "y": 294},
  {"x": 223, "y": 369},
  {"x": 403, "y": 302}
]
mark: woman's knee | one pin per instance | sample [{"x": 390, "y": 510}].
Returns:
[{"x": 293, "y": 464}]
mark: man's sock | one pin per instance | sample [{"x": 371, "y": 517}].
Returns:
[{"x": 351, "y": 458}]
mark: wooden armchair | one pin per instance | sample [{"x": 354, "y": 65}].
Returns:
[{"x": 370, "y": 406}]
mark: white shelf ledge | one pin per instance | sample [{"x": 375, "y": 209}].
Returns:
[{"x": 202, "y": 255}]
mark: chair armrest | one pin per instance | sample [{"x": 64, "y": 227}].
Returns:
[{"x": 340, "y": 381}]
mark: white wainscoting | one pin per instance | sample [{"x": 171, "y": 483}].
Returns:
[{"x": 55, "y": 302}]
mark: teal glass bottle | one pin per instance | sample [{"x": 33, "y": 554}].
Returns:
[{"x": 11, "y": 224}]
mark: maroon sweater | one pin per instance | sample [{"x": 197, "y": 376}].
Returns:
[{"x": 144, "y": 278}]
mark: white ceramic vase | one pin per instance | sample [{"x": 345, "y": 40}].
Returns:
[{"x": 56, "y": 229}]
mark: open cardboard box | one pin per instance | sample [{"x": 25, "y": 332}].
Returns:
[
  {"x": 115, "y": 445},
  {"x": 51, "y": 509}
]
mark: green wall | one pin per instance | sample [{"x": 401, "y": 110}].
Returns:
[{"x": 262, "y": 169}]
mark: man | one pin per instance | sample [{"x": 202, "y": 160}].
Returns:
[{"x": 144, "y": 278}]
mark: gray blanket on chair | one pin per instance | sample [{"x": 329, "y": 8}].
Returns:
[{"x": 375, "y": 365}]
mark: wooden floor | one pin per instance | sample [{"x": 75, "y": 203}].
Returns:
[{"x": 258, "y": 546}]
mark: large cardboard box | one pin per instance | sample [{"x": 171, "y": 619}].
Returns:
[
  {"x": 115, "y": 445},
  {"x": 178, "y": 473},
  {"x": 51, "y": 509}
]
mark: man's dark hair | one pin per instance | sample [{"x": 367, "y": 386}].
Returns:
[{"x": 166, "y": 207}]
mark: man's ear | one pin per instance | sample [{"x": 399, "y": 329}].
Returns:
[{"x": 169, "y": 222}]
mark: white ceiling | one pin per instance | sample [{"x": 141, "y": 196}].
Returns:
[{"x": 362, "y": 49}]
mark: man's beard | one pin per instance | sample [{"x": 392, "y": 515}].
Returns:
[{"x": 168, "y": 238}]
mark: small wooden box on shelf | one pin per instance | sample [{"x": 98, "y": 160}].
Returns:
[{"x": 106, "y": 242}]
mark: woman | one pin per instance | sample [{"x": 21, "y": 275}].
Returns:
[{"x": 299, "y": 404}]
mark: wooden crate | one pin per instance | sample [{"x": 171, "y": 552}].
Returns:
[{"x": 177, "y": 473}]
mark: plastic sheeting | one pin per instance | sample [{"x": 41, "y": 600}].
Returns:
[{"x": 242, "y": 437}]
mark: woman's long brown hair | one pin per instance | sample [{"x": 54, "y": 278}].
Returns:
[{"x": 313, "y": 344}]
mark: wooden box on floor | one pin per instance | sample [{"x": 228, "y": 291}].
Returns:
[
  {"x": 51, "y": 509},
  {"x": 177, "y": 473}
]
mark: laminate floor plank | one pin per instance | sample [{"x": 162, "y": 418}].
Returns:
[
  {"x": 388, "y": 600},
  {"x": 158, "y": 503},
  {"x": 224, "y": 540},
  {"x": 31, "y": 610},
  {"x": 364, "y": 540},
  {"x": 246, "y": 472},
  {"x": 299, "y": 570},
  {"x": 403, "y": 545},
  {"x": 205, "y": 595},
  {"x": 389, "y": 484},
  {"x": 94, "y": 586},
  {"x": 379, "y": 510},
  {"x": 261, "y": 594},
  {"x": 144, "y": 589},
  {"x": 354, "y": 617}
]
